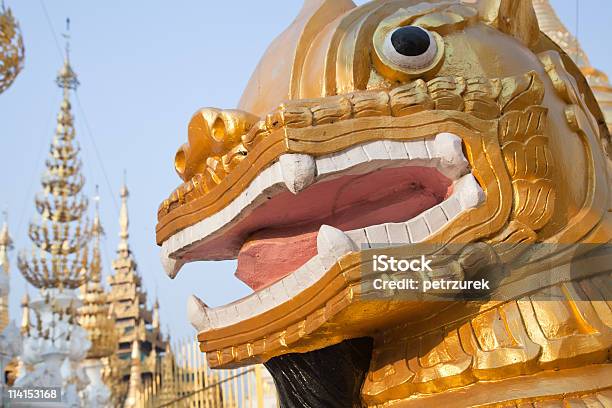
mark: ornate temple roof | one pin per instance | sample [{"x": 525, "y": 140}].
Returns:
[
  {"x": 135, "y": 319},
  {"x": 139, "y": 341}
]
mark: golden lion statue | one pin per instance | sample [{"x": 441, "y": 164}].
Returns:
[{"x": 452, "y": 135}]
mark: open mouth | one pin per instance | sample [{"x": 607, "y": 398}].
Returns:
[
  {"x": 347, "y": 203},
  {"x": 301, "y": 214}
]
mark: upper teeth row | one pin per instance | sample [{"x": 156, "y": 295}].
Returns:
[
  {"x": 332, "y": 244},
  {"x": 444, "y": 152},
  {"x": 295, "y": 172}
]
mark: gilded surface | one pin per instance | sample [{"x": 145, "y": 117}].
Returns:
[
  {"x": 535, "y": 143},
  {"x": 11, "y": 49},
  {"x": 95, "y": 315},
  {"x": 6, "y": 244},
  {"x": 135, "y": 322},
  {"x": 598, "y": 80},
  {"x": 59, "y": 257}
]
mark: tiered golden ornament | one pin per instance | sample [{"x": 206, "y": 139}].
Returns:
[{"x": 12, "y": 51}]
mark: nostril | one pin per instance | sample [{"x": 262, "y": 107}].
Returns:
[
  {"x": 180, "y": 162},
  {"x": 218, "y": 130}
]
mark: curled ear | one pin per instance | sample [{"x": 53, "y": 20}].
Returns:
[{"x": 513, "y": 17}]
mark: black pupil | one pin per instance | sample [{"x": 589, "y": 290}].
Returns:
[{"x": 410, "y": 41}]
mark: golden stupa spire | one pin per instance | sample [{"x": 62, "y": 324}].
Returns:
[
  {"x": 6, "y": 244},
  {"x": 25, "y": 314},
  {"x": 139, "y": 322},
  {"x": 124, "y": 224},
  {"x": 60, "y": 256},
  {"x": 95, "y": 315},
  {"x": 135, "y": 384},
  {"x": 551, "y": 24},
  {"x": 95, "y": 268},
  {"x": 155, "y": 323}
]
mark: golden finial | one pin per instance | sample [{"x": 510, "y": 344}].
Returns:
[
  {"x": 5, "y": 239},
  {"x": 96, "y": 228},
  {"x": 124, "y": 222},
  {"x": 67, "y": 78},
  {"x": 25, "y": 314},
  {"x": 12, "y": 51},
  {"x": 6, "y": 244},
  {"x": 97, "y": 232},
  {"x": 155, "y": 322}
]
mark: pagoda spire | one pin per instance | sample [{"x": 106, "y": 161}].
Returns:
[
  {"x": 97, "y": 232},
  {"x": 155, "y": 323},
  {"x": 124, "y": 223},
  {"x": 60, "y": 256},
  {"x": 135, "y": 384},
  {"x": 96, "y": 318},
  {"x": 6, "y": 244},
  {"x": 59, "y": 259},
  {"x": 135, "y": 319},
  {"x": 95, "y": 315}
]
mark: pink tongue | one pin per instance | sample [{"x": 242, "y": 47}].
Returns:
[
  {"x": 347, "y": 203},
  {"x": 266, "y": 260}
]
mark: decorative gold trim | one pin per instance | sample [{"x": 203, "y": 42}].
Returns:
[
  {"x": 307, "y": 321},
  {"x": 327, "y": 125},
  {"x": 571, "y": 388}
]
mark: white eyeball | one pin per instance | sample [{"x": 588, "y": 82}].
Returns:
[{"x": 410, "y": 47}]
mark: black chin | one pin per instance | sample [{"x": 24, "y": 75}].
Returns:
[{"x": 328, "y": 378}]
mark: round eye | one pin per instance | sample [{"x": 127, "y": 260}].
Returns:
[{"x": 410, "y": 47}]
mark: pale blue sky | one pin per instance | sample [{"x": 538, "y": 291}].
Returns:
[{"x": 145, "y": 67}]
